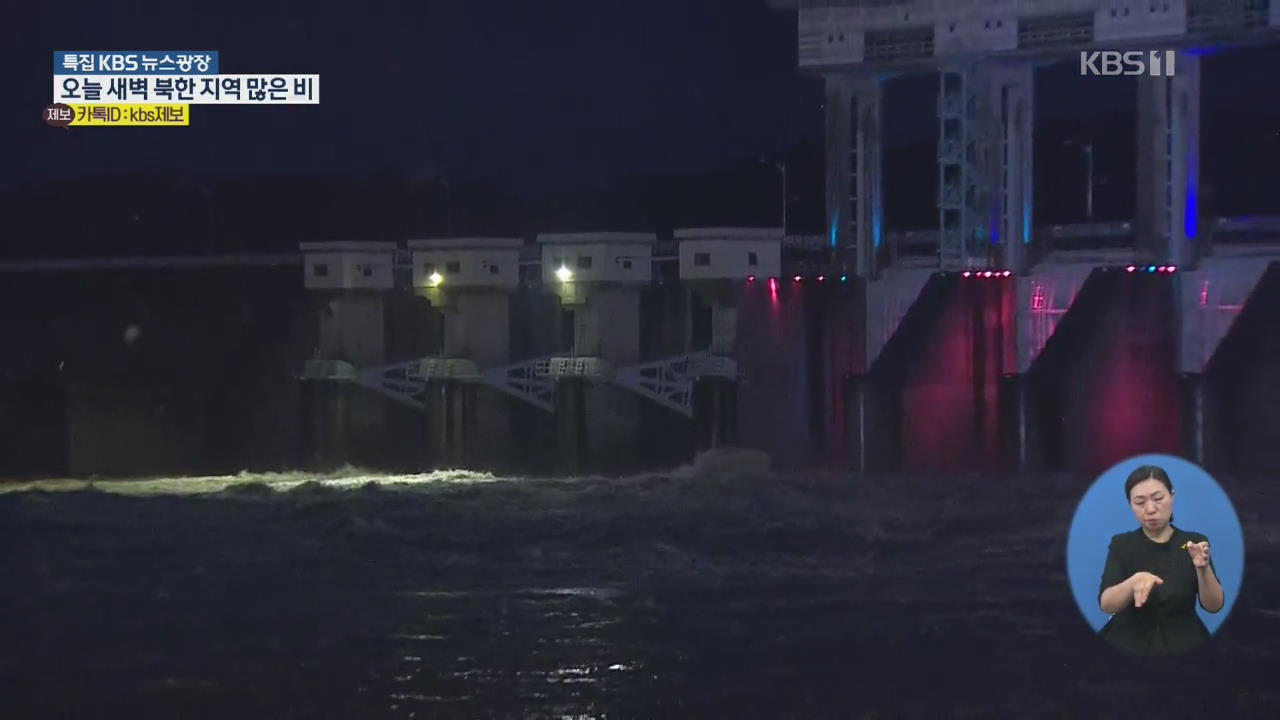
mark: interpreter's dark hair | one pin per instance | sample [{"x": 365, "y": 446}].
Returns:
[{"x": 1144, "y": 473}]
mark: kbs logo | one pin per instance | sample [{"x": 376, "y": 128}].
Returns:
[
  {"x": 1112, "y": 62},
  {"x": 117, "y": 63}
]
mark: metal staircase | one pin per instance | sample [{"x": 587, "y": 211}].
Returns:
[{"x": 965, "y": 131}]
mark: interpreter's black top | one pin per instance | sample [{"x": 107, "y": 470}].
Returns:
[{"x": 1167, "y": 623}]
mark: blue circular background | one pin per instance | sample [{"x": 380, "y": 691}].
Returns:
[{"x": 1199, "y": 505}]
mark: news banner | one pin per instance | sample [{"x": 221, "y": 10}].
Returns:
[{"x": 158, "y": 88}]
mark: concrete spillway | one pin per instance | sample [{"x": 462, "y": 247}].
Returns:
[
  {"x": 1106, "y": 385},
  {"x": 933, "y": 394}
]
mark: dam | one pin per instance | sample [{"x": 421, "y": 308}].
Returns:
[
  {"x": 989, "y": 343},
  {"x": 612, "y": 352}
]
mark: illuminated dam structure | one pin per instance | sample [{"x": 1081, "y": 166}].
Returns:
[
  {"x": 509, "y": 355},
  {"x": 589, "y": 345},
  {"x": 989, "y": 342},
  {"x": 965, "y": 376},
  {"x": 577, "y": 303}
]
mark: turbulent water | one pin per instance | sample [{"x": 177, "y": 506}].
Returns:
[{"x": 705, "y": 592}]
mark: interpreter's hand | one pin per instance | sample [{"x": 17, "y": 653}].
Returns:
[
  {"x": 1199, "y": 553},
  {"x": 1140, "y": 584}
]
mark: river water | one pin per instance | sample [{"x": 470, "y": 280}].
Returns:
[{"x": 686, "y": 594}]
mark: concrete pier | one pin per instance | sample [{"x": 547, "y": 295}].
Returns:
[
  {"x": 608, "y": 327},
  {"x": 573, "y": 434},
  {"x": 599, "y": 278},
  {"x": 349, "y": 280}
]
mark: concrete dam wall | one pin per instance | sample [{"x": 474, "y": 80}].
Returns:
[{"x": 196, "y": 371}]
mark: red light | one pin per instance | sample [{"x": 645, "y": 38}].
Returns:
[
  {"x": 821, "y": 278},
  {"x": 966, "y": 273},
  {"x": 1131, "y": 268},
  {"x": 1162, "y": 268},
  {"x": 751, "y": 278},
  {"x": 796, "y": 278},
  {"x": 986, "y": 274},
  {"x": 1007, "y": 273},
  {"x": 1173, "y": 268},
  {"x": 1038, "y": 298}
]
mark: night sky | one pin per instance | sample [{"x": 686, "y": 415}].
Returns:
[
  {"x": 557, "y": 95},
  {"x": 568, "y": 93}
]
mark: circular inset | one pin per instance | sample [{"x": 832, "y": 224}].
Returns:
[{"x": 1119, "y": 536}]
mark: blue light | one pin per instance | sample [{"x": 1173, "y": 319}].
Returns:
[
  {"x": 876, "y": 229},
  {"x": 1026, "y": 221},
  {"x": 1151, "y": 268},
  {"x": 1191, "y": 210},
  {"x": 835, "y": 225},
  {"x": 844, "y": 278},
  {"x": 1206, "y": 50}
]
